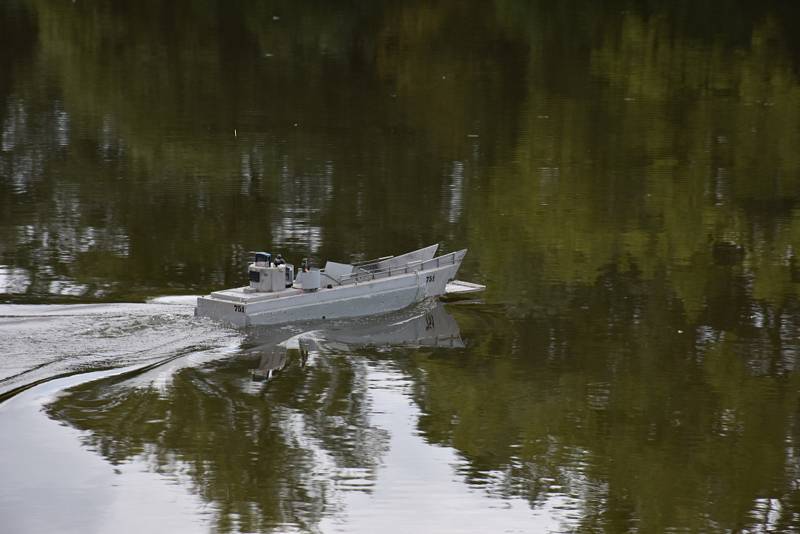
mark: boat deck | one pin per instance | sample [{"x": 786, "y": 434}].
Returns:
[{"x": 238, "y": 294}]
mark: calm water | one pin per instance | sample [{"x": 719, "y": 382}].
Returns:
[{"x": 626, "y": 177}]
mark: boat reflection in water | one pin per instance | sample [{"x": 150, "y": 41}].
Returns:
[{"x": 428, "y": 325}]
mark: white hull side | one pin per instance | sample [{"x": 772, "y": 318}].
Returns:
[{"x": 364, "y": 298}]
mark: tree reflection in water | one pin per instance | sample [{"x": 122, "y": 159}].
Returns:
[
  {"x": 263, "y": 458},
  {"x": 265, "y": 455},
  {"x": 634, "y": 163},
  {"x": 645, "y": 418}
]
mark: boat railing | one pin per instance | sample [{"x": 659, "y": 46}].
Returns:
[
  {"x": 413, "y": 266},
  {"x": 366, "y": 264}
]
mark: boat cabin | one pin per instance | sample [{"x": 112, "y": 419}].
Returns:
[{"x": 268, "y": 274}]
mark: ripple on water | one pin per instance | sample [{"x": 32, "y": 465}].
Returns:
[{"x": 40, "y": 342}]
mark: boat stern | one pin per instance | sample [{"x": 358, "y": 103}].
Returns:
[{"x": 232, "y": 313}]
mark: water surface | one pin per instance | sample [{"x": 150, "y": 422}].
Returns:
[{"x": 625, "y": 176}]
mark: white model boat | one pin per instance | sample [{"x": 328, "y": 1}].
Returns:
[{"x": 276, "y": 296}]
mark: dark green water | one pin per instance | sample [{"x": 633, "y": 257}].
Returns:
[{"x": 625, "y": 175}]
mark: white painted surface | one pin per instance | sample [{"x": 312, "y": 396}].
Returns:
[{"x": 366, "y": 294}]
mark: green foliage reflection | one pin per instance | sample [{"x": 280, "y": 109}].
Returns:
[{"x": 264, "y": 458}]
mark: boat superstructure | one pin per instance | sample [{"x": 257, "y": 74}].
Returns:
[{"x": 276, "y": 295}]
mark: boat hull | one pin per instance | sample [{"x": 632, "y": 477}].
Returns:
[{"x": 240, "y": 309}]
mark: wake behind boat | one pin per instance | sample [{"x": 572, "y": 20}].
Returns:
[{"x": 275, "y": 295}]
